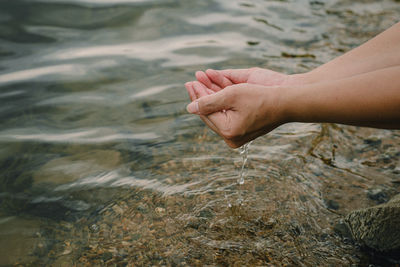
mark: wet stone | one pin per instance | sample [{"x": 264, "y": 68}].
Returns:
[
  {"x": 207, "y": 213},
  {"x": 142, "y": 208},
  {"x": 378, "y": 194},
  {"x": 342, "y": 229},
  {"x": 195, "y": 224},
  {"x": 373, "y": 142},
  {"x": 303, "y": 198},
  {"x": 107, "y": 256},
  {"x": 332, "y": 204},
  {"x": 94, "y": 228},
  {"x": 160, "y": 211},
  {"x": 377, "y": 227}
]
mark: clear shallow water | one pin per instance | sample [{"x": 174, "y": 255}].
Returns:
[{"x": 101, "y": 164}]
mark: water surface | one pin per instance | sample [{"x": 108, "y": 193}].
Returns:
[{"x": 101, "y": 164}]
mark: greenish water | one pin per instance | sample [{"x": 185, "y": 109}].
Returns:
[{"x": 101, "y": 165}]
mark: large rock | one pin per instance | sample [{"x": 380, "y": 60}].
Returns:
[{"x": 377, "y": 227}]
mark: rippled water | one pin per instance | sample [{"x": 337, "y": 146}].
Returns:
[{"x": 101, "y": 164}]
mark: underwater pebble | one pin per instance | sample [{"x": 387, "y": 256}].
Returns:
[
  {"x": 378, "y": 194},
  {"x": 94, "y": 228},
  {"x": 332, "y": 204},
  {"x": 160, "y": 211}
]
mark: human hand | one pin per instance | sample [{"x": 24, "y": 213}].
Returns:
[
  {"x": 219, "y": 79},
  {"x": 239, "y": 113}
]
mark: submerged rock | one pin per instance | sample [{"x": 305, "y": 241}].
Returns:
[
  {"x": 70, "y": 168},
  {"x": 378, "y": 194},
  {"x": 20, "y": 241},
  {"x": 377, "y": 227}
]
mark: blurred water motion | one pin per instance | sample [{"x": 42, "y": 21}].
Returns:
[{"x": 101, "y": 164}]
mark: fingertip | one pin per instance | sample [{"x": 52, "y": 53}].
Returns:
[
  {"x": 212, "y": 74},
  {"x": 201, "y": 76},
  {"x": 190, "y": 90},
  {"x": 215, "y": 77},
  {"x": 210, "y": 71},
  {"x": 198, "y": 74},
  {"x": 197, "y": 83},
  {"x": 200, "y": 89},
  {"x": 193, "y": 107}
]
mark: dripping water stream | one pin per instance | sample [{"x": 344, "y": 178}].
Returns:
[
  {"x": 100, "y": 163},
  {"x": 244, "y": 152}
]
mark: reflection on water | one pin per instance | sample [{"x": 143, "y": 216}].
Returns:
[{"x": 101, "y": 164}]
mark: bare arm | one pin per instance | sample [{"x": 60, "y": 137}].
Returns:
[
  {"x": 361, "y": 88},
  {"x": 369, "y": 99},
  {"x": 242, "y": 112},
  {"x": 380, "y": 52}
]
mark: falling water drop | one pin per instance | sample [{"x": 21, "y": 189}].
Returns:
[{"x": 244, "y": 152}]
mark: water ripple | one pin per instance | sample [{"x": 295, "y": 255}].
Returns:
[
  {"x": 162, "y": 49},
  {"x": 116, "y": 179},
  {"x": 106, "y": 2},
  {"x": 99, "y": 135},
  {"x": 30, "y": 74}
]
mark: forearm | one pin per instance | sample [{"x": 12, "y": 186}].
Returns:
[
  {"x": 369, "y": 99},
  {"x": 382, "y": 51}
]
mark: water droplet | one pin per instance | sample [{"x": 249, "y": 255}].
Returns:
[{"x": 244, "y": 152}]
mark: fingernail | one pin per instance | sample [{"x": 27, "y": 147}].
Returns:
[{"x": 193, "y": 107}]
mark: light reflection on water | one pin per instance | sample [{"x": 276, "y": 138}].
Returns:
[{"x": 101, "y": 163}]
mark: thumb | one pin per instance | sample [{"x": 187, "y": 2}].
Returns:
[{"x": 209, "y": 104}]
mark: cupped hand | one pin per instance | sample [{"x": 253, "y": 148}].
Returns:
[
  {"x": 219, "y": 79},
  {"x": 239, "y": 113}
]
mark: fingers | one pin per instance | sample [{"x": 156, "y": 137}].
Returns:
[
  {"x": 204, "y": 79},
  {"x": 190, "y": 90},
  {"x": 217, "y": 78},
  {"x": 208, "y": 103},
  {"x": 198, "y": 90},
  {"x": 195, "y": 90},
  {"x": 236, "y": 75}
]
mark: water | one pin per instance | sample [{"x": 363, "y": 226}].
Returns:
[
  {"x": 101, "y": 164},
  {"x": 244, "y": 152}
]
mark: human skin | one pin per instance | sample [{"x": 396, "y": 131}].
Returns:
[
  {"x": 380, "y": 52},
  {"x": 360, "y": 88}
]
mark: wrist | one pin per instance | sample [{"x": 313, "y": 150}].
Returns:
[
  {"x": 300, "y": 79},
  {"x": 293, "y": 103},
  {"x": 283, "y": 100}
]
